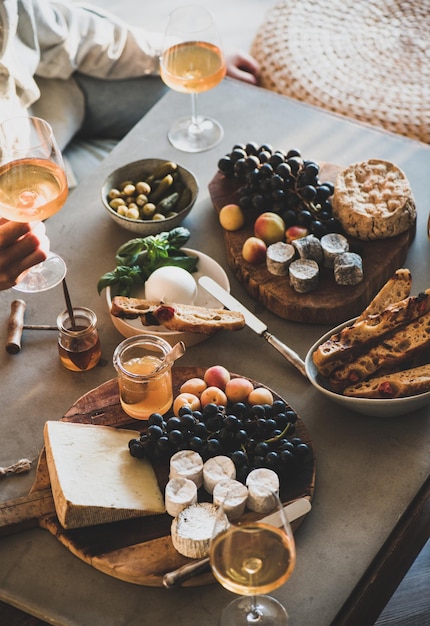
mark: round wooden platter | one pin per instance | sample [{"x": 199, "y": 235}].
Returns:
[
  {"x": 140, "y": 550},
  {"x": 329, "y": 303}
]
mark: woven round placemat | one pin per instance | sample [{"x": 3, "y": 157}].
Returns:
[{"x": 367, "y": 59}]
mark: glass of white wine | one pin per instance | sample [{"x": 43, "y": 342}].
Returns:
[
  {"x": 192, "y": 62},
  {"x": 33, "y": 186},
  {"x": 252, "y": 557}
]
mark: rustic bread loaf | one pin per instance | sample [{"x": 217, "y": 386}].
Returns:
[
  {"x": 373, "y": 200},
  {"x": 178, "y": 317},
  {"x": 398, "y": 347},
  {"x": 343, "y": 347},
  {"x": 410, "y": 382}
]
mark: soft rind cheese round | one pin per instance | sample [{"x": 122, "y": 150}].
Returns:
[
  {"x": 332, "y": 245},
  {"x": 309, "y": 247},
  {"x": 187, "y": 464},
  {"x": 304, "y": 275},
  {"x": 373, "y": 200},
  {"x": 179, "y": 493},
  {"x": 279, "y": 255},
  {"x": 261, "y": 482},
  {"x": 216, "y": 469},
  {"x": 232, "y": 495},
  {"x": 192, "y": 529},
  {"x": 348, "y": 269}
]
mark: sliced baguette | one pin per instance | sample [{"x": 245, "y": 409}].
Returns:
[
  {"x": 410, "y": 382},
  {"x": 344, "y": 346},
  {"x": 178, "y": 317},
  {"x": 397, "y": 288},
  {"x": 400, "y": 346}
]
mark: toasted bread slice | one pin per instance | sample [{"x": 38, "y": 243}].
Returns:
[
  {"x": 400, "y": 346},
  {"x": 397, "y": 288},
  {"x": 178, "y": 317},
  {"x": 344, "y": 346},
  {"x": 410, "y": 382}
]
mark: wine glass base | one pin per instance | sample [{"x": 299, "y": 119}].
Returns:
[
  {"x": 189, "y": 137},
  {"x": 43, "y": 276},
  {"x": 268, "y": 612}
]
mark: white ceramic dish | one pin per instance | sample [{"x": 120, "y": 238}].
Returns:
[
  {"x": 206, "y": 267},
  {"x": 377, "y": 407}
]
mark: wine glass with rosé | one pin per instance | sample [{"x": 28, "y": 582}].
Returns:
[
  {"x": 252, "y": 556},
  {"x": 191, "y": 62},
  {"x": 33, "y": 186}
]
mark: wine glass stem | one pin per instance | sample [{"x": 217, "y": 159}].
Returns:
[
  {"x": 254, "y": 614},
  {"x": 194, "y": 118}
]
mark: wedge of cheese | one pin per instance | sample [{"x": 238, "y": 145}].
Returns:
[{"x": 94, "y": 478}]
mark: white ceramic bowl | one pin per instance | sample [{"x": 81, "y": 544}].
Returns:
[
  {"x": 378, "y": 407},
  {"x": 206, "y": 267},
  {"x": 138, "y": 170}
]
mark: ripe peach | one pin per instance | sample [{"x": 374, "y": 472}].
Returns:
[
  {"x": 260, "y": 395},
  {"x": 254, "y": 250},
  {"x": 295, "y": 232},
  {"x": 238, "y": 389},
  {"x": 194, "y": 386},
  {"x": 217, "y": 376},
  {"x": 213, "y": 394},
  {"x": 186, "y": 399},
  {"x": 231, "y": 217},
  {"x": 270, "y": 227}
]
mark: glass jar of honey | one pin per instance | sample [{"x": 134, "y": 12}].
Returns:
[{"x": 78, "y": 340}]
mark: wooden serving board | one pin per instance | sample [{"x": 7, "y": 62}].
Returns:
[
  {"x": 329, "y": 303},
  {"x": 140, "y": 550}
]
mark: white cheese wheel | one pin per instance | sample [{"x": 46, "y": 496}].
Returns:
[
  {"x": 171, "y": 284},
  {"x": 192, "y": 530},
  {"x": 232, "y": 496},
  {"x": 309, "y": 247},
  {"x": 279, "y": 255},
  {"x": 348, "y": 269},
  {"x": 93, "y": 476},
  {"x": 179, "y": 493},
  {"x": 261, "y": 482},
  {"x": 187, "y": 464},
  {"x": 216, "y": 469},
  {"x": 332, "y": 245},
  {"x": 304, "y": 275}
]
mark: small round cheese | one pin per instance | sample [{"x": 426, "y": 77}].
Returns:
[
  {"x": 216, "y": 469},
  {"x": 192, "y": 530},
  {"x": 187, "y": 464},
  {"x": 171, "y": 284},
  {"x": 304, "y": 275},
  {"x": 279, "y": 255},
  {"x": 261, "y": 483},
  {"x": 179, "y": 493},
  {"x": 333, "y": 244},
  {"x": 232, "y": 496}
]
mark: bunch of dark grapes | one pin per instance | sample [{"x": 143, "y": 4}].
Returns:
[
  {"x": 252, "y": 436},
  {"x": 282, "y": 182}
]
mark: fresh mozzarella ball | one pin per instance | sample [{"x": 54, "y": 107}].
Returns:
[{"x": 171, "y": 284}]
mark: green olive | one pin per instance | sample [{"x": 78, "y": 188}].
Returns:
[
  {"x": 147, "y": 211},
  {"x": 141, "y": 199},
  {"x": 116, "y": 202},
  {"x": 133, "y": 213},
  {"x": 122, "y": 210},
  {"x": 129, "y": 189},
  {"x": 114, "y": 193},
  {"x": 143, "y": 187},
  {"x": 158, "y": 217}
]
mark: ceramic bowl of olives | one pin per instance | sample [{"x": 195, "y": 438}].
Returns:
[{"x": 149, "y": 196}]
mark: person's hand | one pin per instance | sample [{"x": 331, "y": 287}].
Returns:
[
  {"x": 21, "y": 247},
  {"x": 243, "y": 66}
]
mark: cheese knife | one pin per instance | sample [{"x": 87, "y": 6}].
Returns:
[
  {"x": 252, "y": 321},
  {"x": 293, "y": 511}
]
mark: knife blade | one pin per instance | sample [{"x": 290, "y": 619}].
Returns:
[
  {"x": 293, "y": 511},
  {"x": 252, "y": 322}
]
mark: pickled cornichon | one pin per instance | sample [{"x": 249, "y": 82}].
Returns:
[{"x": 159, "y": 194}]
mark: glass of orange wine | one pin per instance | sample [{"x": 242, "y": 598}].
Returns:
[
  {"x": 192, "y": 62},
  {"x": 252, "y": 557},
  {"x": 33, "y": 186}
]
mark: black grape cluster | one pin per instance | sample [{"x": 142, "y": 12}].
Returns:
[
  {"x": 252, "y": 436},
  {"x": 282, "y": 182}
]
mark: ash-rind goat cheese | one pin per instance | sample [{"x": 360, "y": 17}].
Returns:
[
  {"x": 332, "y": 245},
  {"x": 309, "y": 247},
  {"x": 304, "y": 275},
  {"x": 279, "y": 255},
  {"x": 348, "y": 269},
  {"x": 261, "y": 482}
]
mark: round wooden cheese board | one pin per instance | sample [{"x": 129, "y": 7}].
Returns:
[
  {"x": 329, "y": 303},
  {"x": 140, "y": 550}
]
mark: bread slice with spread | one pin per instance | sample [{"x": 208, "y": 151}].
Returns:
[{"x": 177, "y": 317}]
